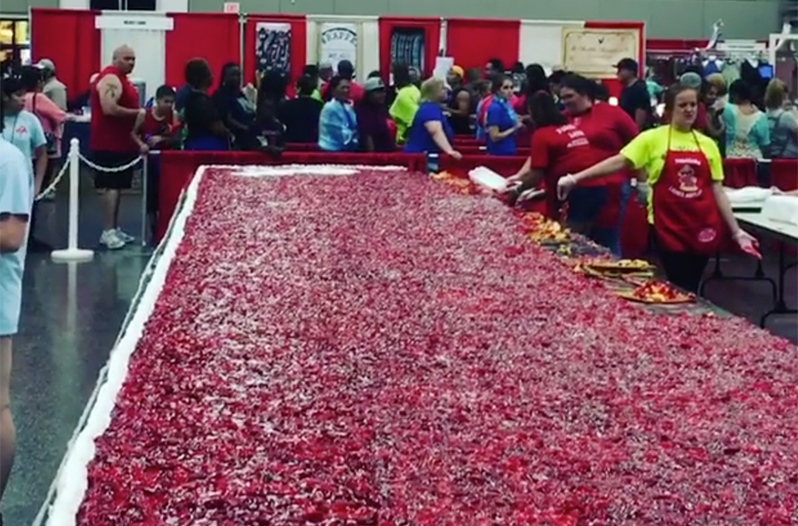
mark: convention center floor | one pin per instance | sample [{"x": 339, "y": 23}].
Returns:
[{"x": 71, "y": 316}]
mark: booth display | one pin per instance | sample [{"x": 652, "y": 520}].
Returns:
[{"x": 165, "y": 42}]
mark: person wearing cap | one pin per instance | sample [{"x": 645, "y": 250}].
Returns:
[
  {"x": 373, "y": 118},
  {"x": 53, "y": 89},
  {"x": 634, "y": 98}
]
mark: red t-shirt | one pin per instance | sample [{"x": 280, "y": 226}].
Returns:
[
  {"x": 107, "y": 133},
  {"x": 559, "y": 151},
  {"x": 163, "y": 127},
  {"x": 608, "y": 129}
]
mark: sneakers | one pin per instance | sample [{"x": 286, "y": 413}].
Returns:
[
  {"x": 111, "y": 240},
  {"x": 124, "y": 236}
]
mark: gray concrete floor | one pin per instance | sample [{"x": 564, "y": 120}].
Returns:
[
  {"x": 70, "y": 320},
  {"x": 65, "y": 339}
]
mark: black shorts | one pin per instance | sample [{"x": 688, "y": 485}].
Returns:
[{"x": 113, "y": 180}]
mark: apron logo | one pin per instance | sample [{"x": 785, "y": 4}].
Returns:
[
  {"x": 688, "y": 183},
  {"x": 707, "y": 235}
]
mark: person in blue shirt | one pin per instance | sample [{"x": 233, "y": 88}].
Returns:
[
  {"x": 16, "y": 201},
  {"x": 338, "y": 122},
  {"x": 23, "y": 129},
  {"x": 430, "y": 130},
  {"x": 501, "y": 121}
]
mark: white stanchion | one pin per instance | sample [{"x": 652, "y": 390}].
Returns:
[
  {"x": 144, "y": 189},
  {"x": 72, "y": 253}
]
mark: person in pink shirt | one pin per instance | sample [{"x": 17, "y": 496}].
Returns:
[
  {"x": 52, "y": 119},
  {"x": 50, "y": 115}
]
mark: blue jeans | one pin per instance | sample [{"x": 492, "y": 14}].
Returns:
[
  {"x": 207, "y": 143},
  {"x": 585, "y": 203},
  {"x": 611, "y": 237}
]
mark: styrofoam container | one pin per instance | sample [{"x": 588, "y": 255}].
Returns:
[
  {"x": 781, "y": 208},
  {"x": 748, "y": 195},
  {"x": 488, "y": 179}
]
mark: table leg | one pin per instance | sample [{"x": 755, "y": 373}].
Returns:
[
  {"x": 717, "y": 273},
  {"x": 759, "y": 275},
  {"x": 781, "y": 305}
]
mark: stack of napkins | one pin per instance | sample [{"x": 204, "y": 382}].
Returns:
[
  {"x": 750, "y": 195},
  {"x": 781, "y": 208},
  {"x": 488, "y": 179}
]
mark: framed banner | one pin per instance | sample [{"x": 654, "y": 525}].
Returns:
[
  {"x": 594, "y": 52},
  {"x": 337, "y": 42},
  {"x": 273, "y": 47}
]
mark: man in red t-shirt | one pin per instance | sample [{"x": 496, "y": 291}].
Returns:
[{"x": 114, "y": 104}]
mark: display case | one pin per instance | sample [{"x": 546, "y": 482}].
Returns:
[{"x": 14, "y": 42}]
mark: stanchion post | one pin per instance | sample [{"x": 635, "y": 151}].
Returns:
[
  {"x": 144, "y": 176},
  {"x": 72, "y": 253}
]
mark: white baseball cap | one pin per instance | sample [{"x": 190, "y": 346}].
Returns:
[{"x": 46, "y": 63}]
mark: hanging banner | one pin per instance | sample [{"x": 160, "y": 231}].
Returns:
[
  {"x": 594, "y": 52},
  {"x": 337, "y": 42},
  {"x": 273, "y": 47}
]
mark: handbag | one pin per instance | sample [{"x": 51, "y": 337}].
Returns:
[{"x": 50, "y": 139}]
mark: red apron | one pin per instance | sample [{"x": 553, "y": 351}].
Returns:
[{"x": 686, "y": 217}]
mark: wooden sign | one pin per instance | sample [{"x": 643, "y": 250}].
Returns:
[{"x": 594, "y": 52}]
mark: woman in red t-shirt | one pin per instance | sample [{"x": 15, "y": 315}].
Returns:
[
  {"x": 558, "y": 148},
  {"x": 608, "y": 129}
]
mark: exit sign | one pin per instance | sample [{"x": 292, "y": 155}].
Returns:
[{"x": 232, "y": 7}]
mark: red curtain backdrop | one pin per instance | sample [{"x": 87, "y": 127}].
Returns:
[
  {"x": 212, "y": 36},
  {"x": 68, "y": 38},
  {"x": 613, "y": 86},
  {"x": 472, "y": 42},
  {"x": 298, "y": 44},
  {"x": 432, "y": 37}
]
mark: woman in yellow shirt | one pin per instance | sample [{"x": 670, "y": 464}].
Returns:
[{"x": 687, "y": 206}]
